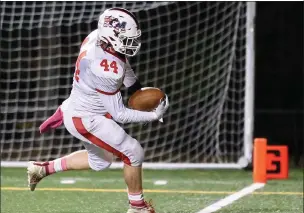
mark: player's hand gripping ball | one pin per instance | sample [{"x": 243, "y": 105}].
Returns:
[{"x": 146, "y": 99}]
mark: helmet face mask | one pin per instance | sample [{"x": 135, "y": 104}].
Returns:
[
  {"x": 129, "y": 45},
  {"x": 120, "y": 28}
]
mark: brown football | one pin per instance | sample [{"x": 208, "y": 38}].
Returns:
[{"x": 146, "y": 99}]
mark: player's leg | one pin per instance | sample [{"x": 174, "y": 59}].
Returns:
[
  {"x": 133, "y": 178},
  {"x": 108, "y": 135},
  {"x": 77, "y": 160},
  {"x": 37, "y": 170},
  {"x": 133, "y": 171},
  {"x": 93, "y": 157}
]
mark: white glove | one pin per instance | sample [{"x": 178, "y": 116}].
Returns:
[{"x": 162, "y": 108}]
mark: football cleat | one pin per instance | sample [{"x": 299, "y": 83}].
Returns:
[
  {"x": 148, "y": 209},
  {"x": 35, "y": 173}
]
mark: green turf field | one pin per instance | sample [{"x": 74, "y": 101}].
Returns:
[{"x": 187, "y": 191}]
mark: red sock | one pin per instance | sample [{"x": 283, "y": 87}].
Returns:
[
  {"x": 54, "y": 166},
  {"x": 137, "y": 199}
]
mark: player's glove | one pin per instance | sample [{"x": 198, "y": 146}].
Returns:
[{"x": 162, "y": 108}]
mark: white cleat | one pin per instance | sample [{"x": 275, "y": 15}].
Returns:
[
  {"x": 35, "y": 173},
  {"x": 148, "y": 209}
]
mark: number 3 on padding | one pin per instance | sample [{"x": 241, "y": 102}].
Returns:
[{"x": 104, "y": 63}]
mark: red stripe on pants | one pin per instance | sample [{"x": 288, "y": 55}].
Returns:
[{"x": 82, "y": 130}]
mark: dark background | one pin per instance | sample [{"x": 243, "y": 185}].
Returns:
[
  {"x": 278, "y": 70},
  {"x": 279, "y": 75}
]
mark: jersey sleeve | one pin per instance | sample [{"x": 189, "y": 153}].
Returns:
[
  {"x": 106, "y": 81},
  {"x": 115, "y": 106},
  {"x": 130, "y": 77}
]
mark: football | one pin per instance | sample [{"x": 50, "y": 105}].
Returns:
[{"x": 146, "y": 99}]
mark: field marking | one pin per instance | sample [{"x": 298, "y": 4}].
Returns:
[
  {"x": 146, "y": 190},
  {"x": 114, "y": 180},
  {"x": 231, "y": 198}
]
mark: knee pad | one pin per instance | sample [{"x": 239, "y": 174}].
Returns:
[
  {"x": 99, "y": 165},
  {"x": 137, "y": 154}
]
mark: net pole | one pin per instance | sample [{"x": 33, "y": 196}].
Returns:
[{"x": 249, "y": 80}]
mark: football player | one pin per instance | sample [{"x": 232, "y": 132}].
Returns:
[{"x": 95, "y": 106}]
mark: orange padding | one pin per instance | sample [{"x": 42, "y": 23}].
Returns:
[
  {"x": 269, "y": 162},
  {"x": 259, "y": 160}
]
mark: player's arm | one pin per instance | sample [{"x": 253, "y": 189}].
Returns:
[
  {"x": 120, "y": 113},
  {"x": 130, "y": 80}
]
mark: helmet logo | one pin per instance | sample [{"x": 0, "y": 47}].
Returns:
[{"x": 114, "y": 23}]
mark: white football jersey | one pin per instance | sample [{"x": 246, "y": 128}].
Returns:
[{"x": 99, "y": 75}]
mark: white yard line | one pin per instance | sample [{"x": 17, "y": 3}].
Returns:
[{"x": 231, "y": 198}]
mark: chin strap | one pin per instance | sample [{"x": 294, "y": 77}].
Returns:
[{"x": 104, "y": 44}]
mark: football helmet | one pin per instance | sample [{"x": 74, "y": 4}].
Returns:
[{"x": 120, "y": 28}]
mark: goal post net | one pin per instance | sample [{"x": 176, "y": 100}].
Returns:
[{"x": 199, "y": 53}]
